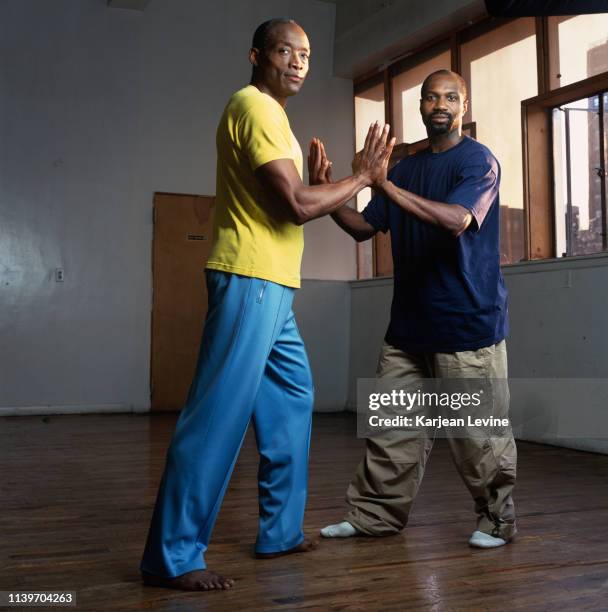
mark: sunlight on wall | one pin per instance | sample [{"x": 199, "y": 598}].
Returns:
[{"x": 497, "y": 89}]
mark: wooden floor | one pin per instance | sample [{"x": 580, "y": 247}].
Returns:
[{"x": 77, "y": 495}]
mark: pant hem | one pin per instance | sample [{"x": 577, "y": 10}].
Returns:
[
  {"x": 367, "y": 531},
  {"x": 507, "y": 536},
  {"x": 178, "y": 571},
  {"x": 274, "y": 548}
]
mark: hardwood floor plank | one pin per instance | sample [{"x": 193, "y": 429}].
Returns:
[{"x": 77, "y": 494}]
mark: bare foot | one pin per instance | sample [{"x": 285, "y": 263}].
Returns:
[
  {"x": 197, "y": 580},
  {"x": 304, "y": 546}
]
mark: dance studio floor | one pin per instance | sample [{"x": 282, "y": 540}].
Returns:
[{"x": 77, "y": 495}]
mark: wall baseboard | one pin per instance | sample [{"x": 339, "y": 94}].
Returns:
[
  {"x": 107, "y": 409},
  {"x": 590, "y": 445},
  {"x": 328, "y": 408},
  {"x": 70, "y": 409}
]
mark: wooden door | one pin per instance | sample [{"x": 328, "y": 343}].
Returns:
[{"x": 181, "y": 246}]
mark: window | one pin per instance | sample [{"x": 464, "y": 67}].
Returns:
[
  {"x": 406, "y": 121},
  {"x": 369, "y": 107},
  {"x": 498, "y": 70},
  {"x": 565, "y": 141},
  {"x": 579, "y": 155},
  {"x": 578, "y": 48},
  {"x": 405, "y": 84},
  {"x": 538, "y": 98}
]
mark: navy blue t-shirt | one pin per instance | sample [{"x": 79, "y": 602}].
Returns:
[{"x": 449, "y": 294}]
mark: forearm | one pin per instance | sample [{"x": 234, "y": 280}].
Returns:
[
  {"x": 353, "y": 223},
  {"x": 451, "y": 217},
  {"x": 283, "y": 183},
  {"x": 311, "y": 202}
]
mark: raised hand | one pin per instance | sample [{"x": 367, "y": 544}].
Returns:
[
  {"x": 319, "y": 167},
  {"x": 372, "y": 161}
]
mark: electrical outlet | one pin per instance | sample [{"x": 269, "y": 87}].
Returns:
[{"x": 59, "y": 275}]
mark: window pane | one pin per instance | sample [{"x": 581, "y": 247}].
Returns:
[
  {"x": 408, "y": 126},
  {"x": 603, "y": 172},
  {"x": 577, "y": 159},
  {"x": 369, "y": 107},
  {"x": 578, "y": 47},
  {"x": 500, "y": 69}
]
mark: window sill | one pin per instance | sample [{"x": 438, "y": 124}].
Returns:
[{"x": 556, "y": 263}]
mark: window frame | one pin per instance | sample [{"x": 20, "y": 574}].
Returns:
[
  {"x": 537, "y": 145},
  {"x": 539, "y": 197}
]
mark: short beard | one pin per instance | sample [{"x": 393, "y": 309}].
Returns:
[{"x": 437, "y": 129}]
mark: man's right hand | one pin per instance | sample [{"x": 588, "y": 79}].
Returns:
[{"x": 371, "y": 163}]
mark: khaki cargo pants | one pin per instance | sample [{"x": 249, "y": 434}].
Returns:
[{"x": 385, "y": 484}]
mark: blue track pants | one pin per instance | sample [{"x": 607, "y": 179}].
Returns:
[{"x": 252, "y": 363}]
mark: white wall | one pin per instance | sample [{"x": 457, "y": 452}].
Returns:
[
  {"x": 323, "y": 311},
  {"x": 559, "y": 331},
  {"x": 370, "y": 315},
  {"x": 100, "y": 108}
]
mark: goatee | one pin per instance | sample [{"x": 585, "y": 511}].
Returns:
[{"x": 436, "y": 129}]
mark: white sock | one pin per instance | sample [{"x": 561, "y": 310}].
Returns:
[
  {"x": 339, "y": 530},
  {"x": 479, "y": 539}
]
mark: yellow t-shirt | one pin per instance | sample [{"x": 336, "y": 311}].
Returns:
[{"x": 253, "y": 233}]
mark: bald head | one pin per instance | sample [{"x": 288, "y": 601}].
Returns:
[
  {"x": 265, "y": 32},
  {"x": 461, "y": 85}
]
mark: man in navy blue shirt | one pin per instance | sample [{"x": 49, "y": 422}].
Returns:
[{"x": 448, "y": 315}]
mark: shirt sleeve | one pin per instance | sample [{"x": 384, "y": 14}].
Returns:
[
  {"x": 376, "y": 212},
  {"x": 477, "y": 187},
  {"x": 264, "y": 135}
]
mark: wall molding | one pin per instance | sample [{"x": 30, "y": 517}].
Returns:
[{"x": 71, "y": 409}]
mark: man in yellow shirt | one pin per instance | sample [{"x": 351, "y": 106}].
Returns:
[{"x": 252, "y": 362}]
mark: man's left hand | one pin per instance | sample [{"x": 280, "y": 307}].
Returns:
[{"x": 319, "y": 167}]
